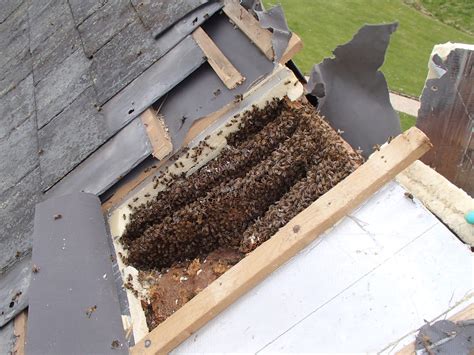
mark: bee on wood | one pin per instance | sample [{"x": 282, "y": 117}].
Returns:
[
  {"x": 238, "y": 98},
  {"x": 35, "y": 269},
  {"x": 376, "y": 147}
]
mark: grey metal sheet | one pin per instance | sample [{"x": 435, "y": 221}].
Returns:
[
  {"x": 446, "y": 337},
  {"x": 275, "y": 20},
  {"x": 162, "y": 76},
  {"x": 203, "y": 92},
  {"x": 75, "y": 273},
  {"x": 14, "y": 285},
  {"x": 107, "y": 164},
  {"x": 156, "y": 81},
  {"x": 7, "y": 339},
  {"x": 353, "y": 93}
]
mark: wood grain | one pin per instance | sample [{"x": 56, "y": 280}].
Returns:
[
  {"x": 157, "y": 133},
  {"x": 249, "y": 25},
  {"x": 19, "y": 329},
  {"x": 303, "y": 229},
  {"x": 224, "y": 69},
  {"x": 294, "y": 46}
]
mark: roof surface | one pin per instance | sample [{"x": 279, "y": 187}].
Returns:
[{"x": 61, "y": 61}]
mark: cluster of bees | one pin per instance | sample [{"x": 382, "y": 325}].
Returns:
[{"x": 282, "y": 158}]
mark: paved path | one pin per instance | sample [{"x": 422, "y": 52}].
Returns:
[{"x": 404, "y": 104}]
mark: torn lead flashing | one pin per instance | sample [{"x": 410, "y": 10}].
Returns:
[{"x": 353, "y": 93}]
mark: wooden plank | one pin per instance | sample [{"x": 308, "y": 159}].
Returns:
[
  {"x": 249, "y": 25},
  {"x": 224, "y": 69},
  {"x": 20, "y": 332},
  {"x": 380, "y": 168},
  {"x": 294, "y": 46},
  {"x": 445, "y": 115},
  {"x": 465, "y": 314},
  {"x": 157, "y": 133}
]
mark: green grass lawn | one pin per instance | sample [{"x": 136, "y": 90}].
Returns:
[
  {"x": 456, "y": 13},
  {"x": 324, "y": 24},
  {"x": 406, "y": 121}
]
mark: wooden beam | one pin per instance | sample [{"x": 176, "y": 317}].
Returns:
[
  {"x": 249, "y": 25},
  {"x": 294, "y": 46},
  {"x": 381, "y": 167},
  {"x": 157, "y": 133},
  {"x": 465, "y": 314},
  {"x": 224, "y": 69},
  {"x": 19, "y": 330}
]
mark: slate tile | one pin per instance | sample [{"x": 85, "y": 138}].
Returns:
[
  {"x": 103, "y": 24},
  {"x": 159, "y": 15},
  {"x": 18, "y": 154},
  {"x": 122, "y": 59},
  {"x": 16, "y": 106},
  {"x": 14, "y": 72},
  {"x": 8, "y": 7},
  {"x": 82, "y": 9},
  {"x": 56, "y": 15},
  {"x": 14, "y": 37},
  {"x": 17, "y": 206},
  {"x": 35, "y": 8},
  {"x": 70, "y": 137},
  {"x": 61, "y": 86},
  {"x": 53, "y": 51}
]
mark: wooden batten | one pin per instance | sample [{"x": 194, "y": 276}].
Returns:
[
  {"x": 224, "y": 69},
  {"x": 381, "y": 167},
  {"x": 19, "y": 329},
  {"x": 249, "y": 25},
  {"x": 294, "y": 46},
  {"x": 157, "y": 133}
]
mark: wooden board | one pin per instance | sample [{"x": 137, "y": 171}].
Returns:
[
  {"x": 249, "y": 25},
  {"x": 157, "y": 133},
  {"x": 20, "y": 332},
  {"x": 381, "y": 167},
  {"x": 224, "y": 69},
  {"x": 446, "y": 116},
  {"x": 294, "y": 46}
]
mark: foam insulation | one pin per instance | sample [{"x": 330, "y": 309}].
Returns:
[
  {"x": 448, "y": 202},
  {"x": 353, "y": 93}
]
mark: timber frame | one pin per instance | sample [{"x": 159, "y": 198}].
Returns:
[
  {"x": 381, "y": 167},
  {"x": 303, "y": 229}
]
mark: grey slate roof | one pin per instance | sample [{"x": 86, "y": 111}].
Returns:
[{"x": 60, "y": 61}]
